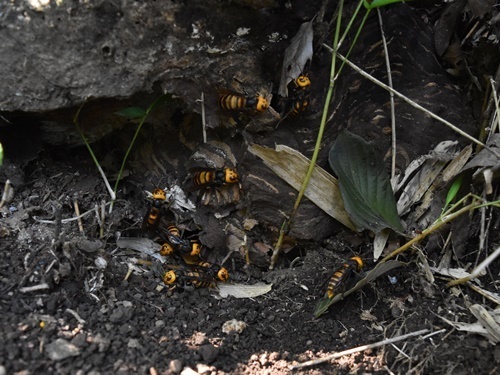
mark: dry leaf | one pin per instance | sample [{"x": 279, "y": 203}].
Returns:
[{"x": 296, "y": 56}]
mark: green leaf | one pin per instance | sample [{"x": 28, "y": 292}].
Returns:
[
  {"x": 452, "y": 193},
  {"x": 132, "y": 112},
  {"x": 381, "y": 268},
  {"x": 371, "y": 4},
  {"x": 364, "y": 183}
]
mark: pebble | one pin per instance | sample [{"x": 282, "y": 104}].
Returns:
[
  {"x": 159, "y": 324},
  {"x": 61, "y": 349},
  {"x": 133, "y": 343},
  {"x": 175, "y": 366},
  {"x": 202, "y": 368},
  {"x": 188, "y": 371},
  {"x": 120, "y": 315},
  {"x": 208, "y": 352},
  {"x": 80, "y": 340},
  {"x": 2, "y": 370}
]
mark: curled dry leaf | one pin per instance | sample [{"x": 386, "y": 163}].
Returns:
[
  {"x": 430, "y": 166},
  {"x": 323, "y": 188},
  {"x": 297, "y": 54}
]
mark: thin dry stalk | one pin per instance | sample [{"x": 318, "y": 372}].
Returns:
[
  {"x": 203, "y": 117},
  {"x": 77, "y": 317},
  {"x": 496, "y": 124},
  {"x": 391, "y": 94},
  {"x": 34, "y": 288},
  {"x": 478, "y": 270},
  {"x": 77, "y": 212},
  {"x": 358, "y": 349},
  {"x": 6, "y": 192}
]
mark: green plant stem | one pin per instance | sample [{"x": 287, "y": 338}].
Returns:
[
  {"x": 438, "y": 224},
  {"x": 106, "y": 182},
  {"x": 358, "y": 32},
  {"x": 286, "y": 223},
  {"x": 150, "y": 108}
]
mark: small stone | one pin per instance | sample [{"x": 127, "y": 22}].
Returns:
[
  {"x": 233, "y": 325},
  {"x": 79, "y": 340},
  {"x": 274, "y": 356},
  {"x": 2, "y": 370},
  {"x": 263, "y": 359},
  {"x": 159, "y": 324},
  {"x": 208, "y": 352},
  {"x": 175, "y": 366},
  {"x": 202, "y": 368},
  {"x": 61, "y": 349},
  {"x": 188, "y": 371},
  {"x": 133, "y": 343}
]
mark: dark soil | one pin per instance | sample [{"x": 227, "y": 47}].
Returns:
[{"x": 135, "y": 326}]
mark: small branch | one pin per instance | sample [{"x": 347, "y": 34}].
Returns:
[
  {"x": 77, "y": 317},
  {"x": 6, "y": 193},
  {"x": 34, "y": 288},
  {"x": 203, "y": 118},
  {"x": 77, "y": 212},
  {"x": 358, "y": 349}
]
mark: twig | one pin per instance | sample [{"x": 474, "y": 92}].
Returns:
[
  {"x": 433, "y": 334},
  {"x": 478, "y": 270},
  {"x": 358, "y": 349},
  {"x": 391, "y": 94},
  {"x": 6, "y": 192},
  {"x": 497, "y": 107},
  {"x": 400, "y": 351},
  {"x": 412, "y": 103},
  {"x": 77, "y": 212},
  {"x": 103, "y": 218},
  {"x": 203, "y": 118},
  {"x": 34, "y": 288},
  {"x": 77, "y": 317}
]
